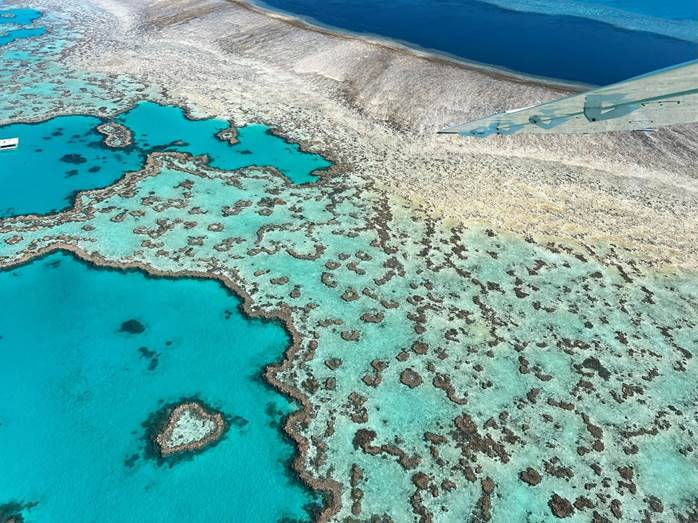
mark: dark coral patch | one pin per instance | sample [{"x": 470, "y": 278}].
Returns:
[
  {"x": 130, "y": 461},
  {"x": 410, "y": 378},
  {"x": 238, "y": 421},
  {"x": 151, "y": 356},
  {"x": 530, "y": 476},
  {"x": 73, "y": 158},
  {"x": 560, "y": 507},
  {"x": 158, "y": 422},
  {"x": 132, "y": 327}
]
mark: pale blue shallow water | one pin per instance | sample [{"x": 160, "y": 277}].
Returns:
[
  {"x": 66, "y": 154},
  {"x": 673, "y": 10},
  {"x": 76, "y": 391}
]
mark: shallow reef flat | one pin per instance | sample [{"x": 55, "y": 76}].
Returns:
[
  {"x": 478, "y": 374},
  {"x": 376, "y": 108},
  {"x": 481, "y": 330},
  {"x": 188, "y": 428},
  {"x": 369, "y": 105},
  {"x": 37, "y": 81}
]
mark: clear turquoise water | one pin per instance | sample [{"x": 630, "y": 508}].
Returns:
[
  {"x": 76, "y": 391},
  {"x": 159, "y": 127},
  {"x": 17, "y": 34},
  {"x": 60, "y": 156},
  {"x": 19, "y": 17},
  {"x": 37, "y": 180}
]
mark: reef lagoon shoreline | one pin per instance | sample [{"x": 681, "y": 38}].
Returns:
[{"x": 329, "y": 490}]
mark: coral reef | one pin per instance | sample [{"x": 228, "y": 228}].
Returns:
[
  {"x": 190, "y": 427},
  {"x": 462, "y": 365},
  {"x": 471, "y": 324}
]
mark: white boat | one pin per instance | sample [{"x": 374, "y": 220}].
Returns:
[{"x": 9, "y": 143}]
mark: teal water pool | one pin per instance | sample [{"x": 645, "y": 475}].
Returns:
[
  {"x": 56, "y": 158},
  {"x": 161, "y": 127},
  {"x": 17, "y": 34},
  {"x": 17, "y": 18},
  {"x": 66, "y": 154},
  {"x": 77, "y": 389}
]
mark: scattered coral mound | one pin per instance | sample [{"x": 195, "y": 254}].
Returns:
[
  {"x": 483, "y": 376},
  {"x": 190, "y": 427}
]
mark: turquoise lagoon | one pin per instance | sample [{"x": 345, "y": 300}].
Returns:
[
  {"x": 19, "y": 17},
  {"x": 157, "y": 127},
  {"x": 17, "y": 34},
  {"x": 66, "y": 154},
  {"x": 77, "y": 390}
]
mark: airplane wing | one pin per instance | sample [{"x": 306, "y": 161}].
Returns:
[{"x": 665, "y": 97}]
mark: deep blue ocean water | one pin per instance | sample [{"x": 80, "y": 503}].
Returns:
[
  {"x": 60, "y": 156},
  {"x": 76, "y": 391},
  {"x": 571, "y": 48}
]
